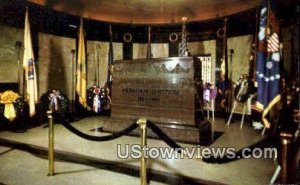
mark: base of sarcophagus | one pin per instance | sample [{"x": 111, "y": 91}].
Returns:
[{"x": 198, "y": 134}]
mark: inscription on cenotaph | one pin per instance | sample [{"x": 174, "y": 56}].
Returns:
[{"x": 151, "y": 96}]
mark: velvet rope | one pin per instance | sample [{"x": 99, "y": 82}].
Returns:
[
  {"x": 164, "y": 136},
  {"x": 126, "y": 131},
  {"x": 100, "y": 138},
  {"x": 269, "y": 141}
]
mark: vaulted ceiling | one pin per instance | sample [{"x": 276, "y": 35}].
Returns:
[
  {"x": 205, "y": 17},
  {"x": 150, "y": 11}
]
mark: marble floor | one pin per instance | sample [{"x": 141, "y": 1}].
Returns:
[{"x": 23, "y": 159}]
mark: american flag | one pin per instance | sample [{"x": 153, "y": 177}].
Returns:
[
  {"x": 268, "y": 57},
  {"x": 273, "y": 43}
]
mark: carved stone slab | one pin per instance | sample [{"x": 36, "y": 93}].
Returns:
[{"x": 162, "y": 90}]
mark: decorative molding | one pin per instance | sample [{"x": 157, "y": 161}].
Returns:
[
  {"x": 151, "y": 70},
  {"x": 173, "y": 37},
  {"x": 127, "y": 37}
]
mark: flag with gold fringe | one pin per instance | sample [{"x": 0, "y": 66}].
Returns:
[
  {"x": 30, "y": 91},
  {"x": 268, "y": 57},
  {"x": 81, "y": 68}
]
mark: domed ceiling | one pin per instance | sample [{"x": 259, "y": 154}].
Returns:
[{"x": 150, "y": 11}]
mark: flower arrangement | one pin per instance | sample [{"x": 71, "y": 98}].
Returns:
[
  {"x": 243, "y": 88},
  {"x": 209, "y": 92},
  {"x": 11, "y": 105},
  {"x": 8, "y": 97},
  {"x": 55, "y": 101},
  {"x": 97, "y": 98}
]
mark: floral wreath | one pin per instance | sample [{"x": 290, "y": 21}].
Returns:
[
  {"x": 209, "y": 92},
  {"x": 97, "y": 98},
  {"x": 11, "y": 105},
  {"x": 55, "y": 100},
  {"x": 242, "y": 90}
]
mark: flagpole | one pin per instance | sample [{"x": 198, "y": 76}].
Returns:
[
  {"x": 225, "y": 48},
  {"x": 298, "y": 45},
  {"x": 110, "y": 57},
  {"x": 18, "y": 73},
  {"x": 73, "y": 76},
  {"x": 256, "y": 45},
  {"x": 18, "y": 46},
  {"x": 24, "y": 83},
  {"x": 268, "y": 31},
  {"x": 23, "y": 69},
  {"x": 95, "y": 67},
  {"x": 268, "y": 21},
  {"x": 225, "y": 57},
  {"x": 149, "y": 44},
  {"x": 98, "y": 65}
]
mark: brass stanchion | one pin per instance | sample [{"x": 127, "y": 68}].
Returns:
[
  {"x": 143, "y": 170},
  {"x": 285, "y": 147},
  {"x": 51, "y": 144}
]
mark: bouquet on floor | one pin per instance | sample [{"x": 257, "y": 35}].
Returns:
[{"x": 11, "y": 104}]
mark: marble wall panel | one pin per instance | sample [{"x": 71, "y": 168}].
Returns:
[
  {"x": 99, "y": 51},
  {"x": 158, "y": 51},
  {"x": 240, "y": 62},
  {"x": 56, "y": 64},
  {"x": 9, "y": 53},
  {"x": 240, "y": 59}
]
